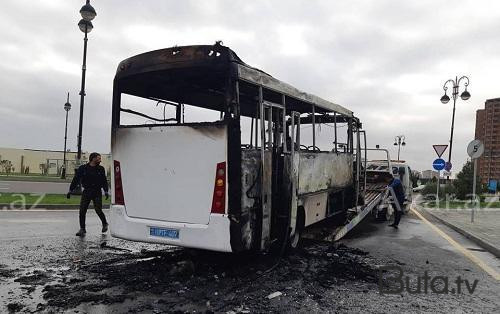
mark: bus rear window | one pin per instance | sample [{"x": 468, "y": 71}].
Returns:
[{"x": 136, "y": 111}]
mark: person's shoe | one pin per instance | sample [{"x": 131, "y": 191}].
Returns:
[
  {"x": 81, "y": 233},
  {"x": 394, "y": 226},
  {"x": 105, "y": 228}
]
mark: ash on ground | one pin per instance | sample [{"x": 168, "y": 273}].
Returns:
[{"x": 314, "y": 278}]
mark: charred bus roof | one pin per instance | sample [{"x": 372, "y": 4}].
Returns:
[{"x": 200, "y": 76}]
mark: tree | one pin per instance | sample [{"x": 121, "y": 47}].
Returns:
[
  {"x": 415, "y": 176},
  {"x": 6, "y": 166},
  {"x": 464, "y": 181}
]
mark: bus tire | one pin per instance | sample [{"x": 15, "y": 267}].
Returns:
[{"x": 294, "y": 240}]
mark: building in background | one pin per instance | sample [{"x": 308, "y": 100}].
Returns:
[
  {"x": 42, "y": 162},
  {"x": 429, "y": 174},
  {"x": 488, "y": 132}
]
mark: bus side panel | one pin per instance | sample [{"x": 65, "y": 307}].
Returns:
[
  {"x": 322, "y": 171},
  {"x": 168, "y": 172}
]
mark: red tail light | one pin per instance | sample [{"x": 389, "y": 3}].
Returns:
[
  {"x": 119, "y": 200},
  {"x": 219, "y": 198}
]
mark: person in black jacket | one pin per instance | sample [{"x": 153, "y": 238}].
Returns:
[{"x": 92, "y": 177}]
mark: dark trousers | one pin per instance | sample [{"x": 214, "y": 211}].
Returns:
[
  {"x": 397, "y": 213},
  {"x": 96, "y": 198}
]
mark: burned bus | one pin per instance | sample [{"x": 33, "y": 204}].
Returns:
[{"x": 211, "y": 153}]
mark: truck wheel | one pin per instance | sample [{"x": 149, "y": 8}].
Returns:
[
  {"x": 383, "y": 215},
  {"x": 387, "y": 215}
]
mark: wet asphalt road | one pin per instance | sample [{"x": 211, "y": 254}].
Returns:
[{"x": 45, "y": 268}]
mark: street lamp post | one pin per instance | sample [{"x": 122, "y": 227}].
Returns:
[
  {"x": 67, "y": 108},
  {"x": 398, "y": 141},
  {"x": 445, "y": 99},
  {"x": 88, "y": 14}
]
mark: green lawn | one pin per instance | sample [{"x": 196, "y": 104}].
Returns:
[
  {"x": 458, "y": 204},
  {"x": 34, "y": 178},
  {"x": 19, "y": 199}
]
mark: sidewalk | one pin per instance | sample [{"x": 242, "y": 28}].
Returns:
[
  {"x": 485, "y": 230},
  {"x": 47, "y": 206}
]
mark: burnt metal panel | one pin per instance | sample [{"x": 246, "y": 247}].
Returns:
[
  {"x": 315, "y": 207},
  {"x": 266, "y": 193},
  {"x": 250, "y": 196},
  {"x": 260, "y": 78},
  {"x": 253, "y": 225},
  {"x": 322, "y": 171},
  {"x": 184, "y": 74}
]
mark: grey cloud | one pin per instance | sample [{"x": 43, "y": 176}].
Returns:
[{"x": 356, "y": 51}]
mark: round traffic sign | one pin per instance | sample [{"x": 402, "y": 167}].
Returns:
[
  {"x": 475, "y": 149},
  {"x": 438, "y": 164},
  {"x": 447, "y": 166}
]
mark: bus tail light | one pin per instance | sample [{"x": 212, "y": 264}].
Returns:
[
  {"x": 119, "y": 200},
  {"x": 219, "y": 197}
]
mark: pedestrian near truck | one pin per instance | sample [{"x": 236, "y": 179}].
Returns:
[
  {"x": 92, "y": 178},
  {"x": 396, "y": 186}
]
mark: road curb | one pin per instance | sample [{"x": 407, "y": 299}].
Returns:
[
  {"x": 48, "y": 206},
  {"x": 482, "y": 243}
]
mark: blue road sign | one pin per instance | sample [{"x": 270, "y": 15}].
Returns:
[
  {"x": 447, "y": 166},
  {"x": 439, "y": 164},
  {"x": 492, "y": 186}
]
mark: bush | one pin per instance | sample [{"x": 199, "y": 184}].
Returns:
[
  {"x": 431, "y": 189},
  {"x": 464, "y": 181},
  {"x": 449, "y": 190}
]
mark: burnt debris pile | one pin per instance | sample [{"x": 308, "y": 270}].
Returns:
[{"x": 187, "y": 280}]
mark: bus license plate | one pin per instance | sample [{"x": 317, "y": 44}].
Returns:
[{"x": 164, "y": 233}]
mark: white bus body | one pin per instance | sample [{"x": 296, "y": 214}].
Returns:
[{"x": 168, "y": 176}]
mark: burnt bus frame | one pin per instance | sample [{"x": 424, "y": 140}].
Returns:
[{"x": 232, "y": 114}]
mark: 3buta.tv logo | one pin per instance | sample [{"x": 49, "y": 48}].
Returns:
[{"x": 394, "y": 282}]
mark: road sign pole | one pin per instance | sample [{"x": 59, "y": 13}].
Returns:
[
  {"x": 474, "y": 191},
  {"x": 437, "y": 190},
  {"x": 475, "y": 149}
]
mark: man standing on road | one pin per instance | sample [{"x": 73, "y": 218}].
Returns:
[
  {"x": 92, "y": 177},
  {"x": 395, "y": 185}
]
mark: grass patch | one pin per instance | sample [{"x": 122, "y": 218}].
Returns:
[
  {"x": 19, "y": 199},
  {"x": 460, "y": 205},
  {"x": 34, "y": 178}
]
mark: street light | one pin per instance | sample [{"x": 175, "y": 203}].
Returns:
[
  {"x": 88, "y": 14},
  {"x": 67, "y": 108},
  {"x": 445, "y": 99},
  {"x": 398, "y": 141}
]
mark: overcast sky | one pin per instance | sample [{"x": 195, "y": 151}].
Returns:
[{"x": 384, "y": 60}]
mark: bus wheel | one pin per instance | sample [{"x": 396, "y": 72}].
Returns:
[{"x": 294, "y": 240}]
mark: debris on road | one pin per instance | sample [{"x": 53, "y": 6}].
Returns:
[
  {"x": 194, "y": 280},
  {"x": 274, "y": 295}
]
